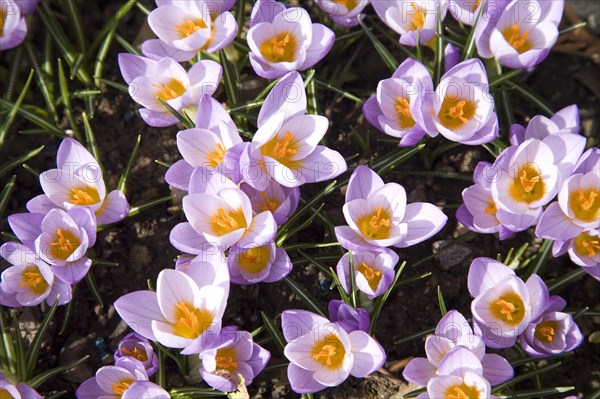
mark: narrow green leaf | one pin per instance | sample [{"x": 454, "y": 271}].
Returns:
[
  {"x": 138, "y": 208},
  {"x": 274, "y": 332},
  {"x": 19, "y": 160},
  {"x": 66, "y": 101},
  {"x": 438, "y": 63},
  {"x": 123, "y": 179},
  {"x": 91, "y": 140},
  {"x": 383, "y": 52},
  {"x": 114, "y": 85},
  {"x": 414, "y": 336},
  {"x": 567, "y": 279},
  {"x": 541, "y": 258},
  {"x": 130, "y": 48},
  {"x": 531, "y": 96},
  {"x": 524, "y": 377},
  {"x": 19, "y": 350},
  {"x": 470, "y": 45},
  {"x": 353, "y": 290},
  {"x": 9, "y": 86},
  {"x": 13, "y": 112},
  {"x": 311, "y": 93},
  {"x": 36, "y": 343},
  {"x": 304, "y": 296},
  {"x": 101, "y": 56},
  {"x": 72, "y": 12},
  {"x": 183, "y": 118},
  {"x": 504, "y": 77},
  {"x": 418, "y": 47},
  {"x": 536, "y": 393},
  {"x": 341, "y": 289},
  {"x": 9, "y": 358},
  {"x": 339, "y": 91},
  {"x": 193, "y": 393},
  {"x": 91, "y": 283},
  {"x": 441, "y": 301},
  {"x": 292, "y": 232},
  {"x": 161, "y": 375},
  {"x": 68, "y": 310},
  {"x": 379, "y": 302},
  {"x": 230, "y": 79},
  {"x": 572, "y": 28},
  {"x": 46, "y": 375},
  {"x": 6, "y": 193},
  {"x": 399, "y": 157}
]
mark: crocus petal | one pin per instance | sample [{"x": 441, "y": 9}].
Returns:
[
  {"x": 486, "y": 273},
  {"x": 40, "y": 204},
  {"x": 178, "y": 175},
  {"x": 186, "y": 239},
  {"x": 145, "y": 389},
  {"x": 114, "y": 208},
  {"x": 296, "y": 323},
  {"x": 555, "y": 225},
  {"x": 26, "y": 226},
  {"x": 281, "y": 267},
  {"x": 322, "y": 164},
  {"x": 419, "y": 371},
  {"x": 423, "y": 221},
  {"x": 322, "y": 41},
  {"x": 73, "y": 272},
  {"x": 89, "y": 389},
  {"x": 132, "y": 66},
  {"x": 362, "y": 183},
  {"x": 158, "y": 118},
  {"x": 138, "y": 309},
  {"x": 302, "y": 381},
  {"x": 496, "y": 369},
  {"x": 157, "y": 49},
  {"x": 73, "y": 155},
  {"x": 458, "y": 361},
  {"x": 287, "y": 96},
  {"x": 369, "y": 356},
  {"x": 60, "y": 289}
]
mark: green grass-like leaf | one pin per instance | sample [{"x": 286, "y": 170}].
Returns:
[
  {"x": 19, "y": 160},
  {"x": 305, "y": 296},
  {"x": 66, "y": 100},
  {"x": 138, "y": 208},
  {"x": 383, "y": 52},
  {"x": 274, "y": 332},
  {"x": 123, "y": 179},
  {"x": 34, "y": 349},
  {"x": 13, "y": 112},
  {"x": 46, "y": 375},
  {"x": 6, "y": 193}
]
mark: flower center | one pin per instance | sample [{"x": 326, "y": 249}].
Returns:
[
  {"x": 281, "y": 48},
  {"x": 120, "y": 387},
  {"x": 491, "y": 208},
  {"x": 377, "y": 224},
  {"x": 135, "y": 352},
  {"x": 225, "y": 222},
  {"x": 585, "y": 204},
  {"x": 64, "y": 244},
  {"x": 417, "y": 17},
  {"x": 528, "y": 185},
  {"x": 373, "y": 276},
  {"x": 4, "y": 394},
  {"x": 406, "y": 120},
  {"x": 268, "y": 204},
  {"x": 2, "y": 18},
  {"x": 173, "y": 89},
  {"x": 462, "y": 391},
  {"x": 254, "y": 259},
  {"x": 587, "y": 245},
  {"x": 509, "y": 308},
  {"x": 281, "y": 150},
  {"x": 191, "y": 321},
  {"x": 87, "y": 195},
  {"x": 456, "y": 112},
  {"x": 349, "y": 4},
  {"x": 32, "y": 277},
  {"x": 188, "y": 27},
  {"x": 216, "y": 157},
  {"x": 329, "y": 352},
  {"x": 516, "y": 39},
  {"x": 226, "y": 360},
  {"x": 545, "y": 331}
]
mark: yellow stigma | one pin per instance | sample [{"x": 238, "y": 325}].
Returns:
[
  {"x": 32, "y": 277},
  {"x": 65, "y": 242},
  {"x": 135, "y": 352},
  {"x": 225, "y": 222},
  {"x": 417, "y": 17},
  {"x": 188, "y": 27},
  {"x": 216, "y": 157},
  {"x": 173, "y": 89},
  {"x": 191, "y": 321},
  {"x": 268, "y": 204},
  {"x": 509, "y": 308},
  {"x": 226, "y": 360},
  {"x": 405, "y": 119},
  {"x": 120, "y": 387},
  {"x": 349, "y": 4},
  {"x": 585, "y": 204},
  {"x": 86, "y": 195},
  {"x": 255, "y": 259},
  {"x": 455, "y": 112},
  {"x": 329, "y": 352},
  {"x": 282, "y": 150},
  {"x": 516, "y": 39},
  {"x": 545, "y": 331},
  {"x": 281, "y": 48},
  {"x": 376, "y": 225},
  {"x": 587, "y": 245},
  {"x": 528, "y": 185},
  {"x": 491, "y": 208},
  {"x": 373, "y": 276},
  {"x": 462, "y": 391}
]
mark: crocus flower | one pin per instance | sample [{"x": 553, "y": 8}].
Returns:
[
  {"x": 378, "y": 215},
  {"x": 452, "y": 331},
  {"x": 503, "y": 305},
  {"x": 29, "y": 281},
  {"x": 13, "y": 28},
  {"x": 232, "y": 354},
  {"x": 322, "y": 354},
  {"x": 180, "y": 314},
  {"x": 462, "y": 108},
  {"x": 345, "y": 12},
  {"x": 286, "y": 145},
  {"x": 254, "y": 264},
  {"x": 17, "y": 391},
  {"x": 205, "y": 145},
  {"x": 552, "y": 333},
  {"x": 413, "y": 20},
  {"x": 285, "y": 40},
  {"x": 166, "y": 79},
  {"x": 185, "y": 28},
  {"x": 347, "y": 317},
  {"x": 280, "y": 200},
  {"x": 518, "y": 33},
  {"x": 584, "y": 250},
  {"x": 396, "y": 109},
  {"x": 136, "y": 347},
  {"x": 209, "y": 267},
  {"x": 78, "y": 183},
  {"x": 466, "y": 11},
  {"x": 374, "y": 271},
  {"x": 113, "y": 381}
]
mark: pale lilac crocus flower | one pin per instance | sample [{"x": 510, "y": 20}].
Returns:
[
  {"x": 29, "y": 281},
  {"x": 166, "y": 79},
  {"x": 184, "y": 28},
  {"x": 503, "y": 305},
  {"x": 78, "y": 183},
  {"x": 204, "y": 146},
  {"x": 180, "y": 314},
  {"x": 135, "y": 347},
  {"x": 285, "y": 39},
  {"x": 583, "y": 249},
  {"x": 412, "y": 19},
  {"x": 452, "y": 331},
  {"x": 233, "y": 353},
  {"x": 378, "y": 215},
  {"x": 396, "y": 109},
  {"x": 347, "y": 317},
  {"x": 280, "y": 200},
  {"x": 374, "y": 271},
  {"x": 254, "y": 264},
  {"x": 13, "y": 28},
  {"x": 343, "y": 12},
  {"x": 518, "y": 33},
  {"x": 18, "y": 390},
  {"x": 466, "y": 11},
  {"x": 322, "y": 354},
  {"x": 554, "y": 332}
]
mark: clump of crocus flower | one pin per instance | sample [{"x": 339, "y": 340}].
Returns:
[{"x": 285, "y": 39}]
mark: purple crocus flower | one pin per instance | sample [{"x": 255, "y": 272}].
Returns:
[
  {"x": 322, "y": 354},
  {"x": 29, "y": 281},
  {"x": 374, "y": 271},
  {"x": 396, "y": 109},
  {"x": 552, "y": 333},
  {"x": 180, "y": 314},
  {"x": 378, "y": 215},
  {"x": 343, "y": 12},
  {"x": 232, "y": 354},
  {"x": 412, "y": 19},
  {"x": 584, "y": 250},
  {"x": 466, "y": 11},
  {"x": 285, "y": 39},
  {"x": 518, "y": 33},
  {"x": 19, "y": 390},
  {"x": 539, "y": 127},
  {"x": 136, "y": 347},
  {"x": 452, "y": 331},
  {"x": 204, "y": 146},
  {"x": 78, "y": 183},
  {"x": 184, "y": 28},
  {"x": 504, "y": 305},
  {"x": 280, "y": 200},
  {"x": 13, "y": 28},
  {"x": 166, "y": 79},
  {"x": 347, "y": 317},
  {"x": 254, "y": 264}
]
